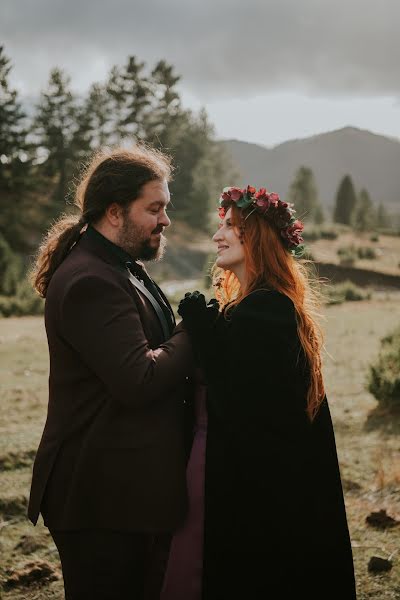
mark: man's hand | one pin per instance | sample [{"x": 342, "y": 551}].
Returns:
[{"x": 196, "y": 313}]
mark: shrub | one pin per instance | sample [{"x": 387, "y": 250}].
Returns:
[
  {"x": 329, "y": 234},
  {"x": 24, "y": 302},
  {"x": 374, "y": 237},
  {"x": 346, "y": 291},
  {"x": 311, "y": 235},
  {"x": 384, "y": 374},
  {"x": 11, "y": 269},
  {"x": 347, "y": 255},
  {"x": 366, "y": 252}
]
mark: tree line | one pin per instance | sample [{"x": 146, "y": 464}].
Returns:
[
  {"x": 350, "y": 208},
  {"x": 40, "y": 152}
]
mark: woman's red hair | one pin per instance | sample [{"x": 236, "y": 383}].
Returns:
[{"x": 269, "y": 263}]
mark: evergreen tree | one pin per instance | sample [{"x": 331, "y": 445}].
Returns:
[
  {"x": 96, "y": 114},
  {"x": 12, "y": 131},
  {"x": 304, "y": 195},
  {"x": 166, "y": 111},
  {"x": 130, "y": 96},
  {"x": 199, "y": 170},
  {"x": 56, "y": 127},
  {"x": 346, "y": 200},
  {"x": 382, "y": 218},
  {"x": 16, "y": 158},
  {"x": 364, "y": 216},
  {"x": 319, "y": 217}
]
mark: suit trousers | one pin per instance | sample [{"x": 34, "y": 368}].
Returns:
[{"x": 109, "y": 565}]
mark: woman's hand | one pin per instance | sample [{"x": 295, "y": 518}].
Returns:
[{"x": 198, "y": 315}]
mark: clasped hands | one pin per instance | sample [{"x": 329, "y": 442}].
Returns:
[{"x": 197, "y": 314}]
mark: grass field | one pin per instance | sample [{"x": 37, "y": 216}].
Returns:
[
  {"x": 368, "y": 444},
  {"x": 387, "y": 250}
]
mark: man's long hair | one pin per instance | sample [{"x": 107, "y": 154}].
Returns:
[
  {"x": 113, "y": 175},
  {"x": 269, "y": 264}
]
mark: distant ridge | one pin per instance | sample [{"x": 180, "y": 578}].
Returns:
[{"x": 372, "y": 160}]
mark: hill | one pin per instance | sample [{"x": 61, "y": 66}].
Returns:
[{"x": 372, "y": 160}]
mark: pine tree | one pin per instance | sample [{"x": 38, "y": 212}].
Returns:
[
  {"x": 56, "y": 125},
  {"x": 304, "y": 195},
  {"x": 199, "y": 167},
  {"x": 130, "y": 96},
  {"x": 16, "y": 157},
  {"x": 166, "y": 110},
  {"x": 319, "y": 216},
  {"x": 346, "y": 200},
  {"x": 364, "y": 215},
  {"x": 96, "y": 112},
  {"x": 382, "y": 218}
]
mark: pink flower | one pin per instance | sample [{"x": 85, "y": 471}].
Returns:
[
  {"x": 250, "y": 190},
  {"x": 263, "y": 203},
  {"x": 262, "y": 200},
  {"x": 221, "y": 212},
  {"x": 226, "y": 197},
  {"x": 293, "y": 233},
  {"x": 274, "y": 199},
  {"x": 235, "y": 193}
]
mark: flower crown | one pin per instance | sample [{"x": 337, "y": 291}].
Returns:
[{"x": 269, "y": 205}]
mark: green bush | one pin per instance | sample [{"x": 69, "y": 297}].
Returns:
[
  {"x": 384, "y": 374},
  {"x": 366, "y": 252},
  {"x": 347, "y": 255},
  {"x": 24, "y": 302},
  {"x": 317, "y": 233},
  {"x": 329, "y": 234},
  {"x": 374, "y": 237},
  {"x": 311, "y": 235},
  {"x": 11, "y": 269},
  {"x": 346, "y": 291}
]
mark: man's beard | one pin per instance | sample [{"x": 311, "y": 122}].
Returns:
[{"x": 133, "y": 240}]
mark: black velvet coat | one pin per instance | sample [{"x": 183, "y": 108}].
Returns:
[{"x": 275, "y": 520}]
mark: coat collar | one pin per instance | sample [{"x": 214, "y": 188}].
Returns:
[{"x": 107, "y": 250}]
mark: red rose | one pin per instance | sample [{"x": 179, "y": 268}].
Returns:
[
  {"x": 250, "y": 190},
  {"x": 226, "y": 196},
  {"x": 221, "y": 212},
  {"x": 263, "y": 202},
  {"x": 293, "y": 233},
  {"x": 274, "y": 199},
  {"x": 235, "y": 193}
]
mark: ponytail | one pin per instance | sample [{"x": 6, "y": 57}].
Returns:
[
  {"x": 113, "y": 175},
  {"x": 59, "y": 240}
]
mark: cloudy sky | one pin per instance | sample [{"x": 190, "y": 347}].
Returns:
[{"x": 265, "y": 70}]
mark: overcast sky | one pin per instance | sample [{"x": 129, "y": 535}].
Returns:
[{"x": 265, "y": 70}]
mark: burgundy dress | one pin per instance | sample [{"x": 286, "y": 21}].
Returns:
[{"x": 183, "y": 576}]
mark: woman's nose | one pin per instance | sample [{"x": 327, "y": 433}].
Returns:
[{"x": 217, "y": 236}]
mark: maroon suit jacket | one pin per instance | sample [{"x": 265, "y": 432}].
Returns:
[{"x": 112, "y": 453}]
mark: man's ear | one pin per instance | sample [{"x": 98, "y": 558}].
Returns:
[{"x": 113, "y": 214}]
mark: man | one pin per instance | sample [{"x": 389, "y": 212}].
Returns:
[{"x": 109, "y": 475}]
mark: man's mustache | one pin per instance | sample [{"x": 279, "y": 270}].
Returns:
[{"x": 159, "y": 229}]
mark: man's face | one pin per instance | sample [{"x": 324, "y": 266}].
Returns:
[{"x": 144, "y": 221}]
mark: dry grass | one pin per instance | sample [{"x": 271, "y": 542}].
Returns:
[
  {"x": 367, "y": 441},
  {"x": 387, "y": 249}
]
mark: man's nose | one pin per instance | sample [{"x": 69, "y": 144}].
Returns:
[{"x": 165, "y": 220}]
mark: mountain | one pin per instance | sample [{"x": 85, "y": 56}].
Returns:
[{"x": 373, "y": 161}]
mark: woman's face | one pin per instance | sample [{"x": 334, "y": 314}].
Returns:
[{"x": 230, "y": 253}]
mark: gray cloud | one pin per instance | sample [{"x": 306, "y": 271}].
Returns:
[{"x": 222, "y": 48}]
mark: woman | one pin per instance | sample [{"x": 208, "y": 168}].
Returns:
[{"x": 275, "y": 522}]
